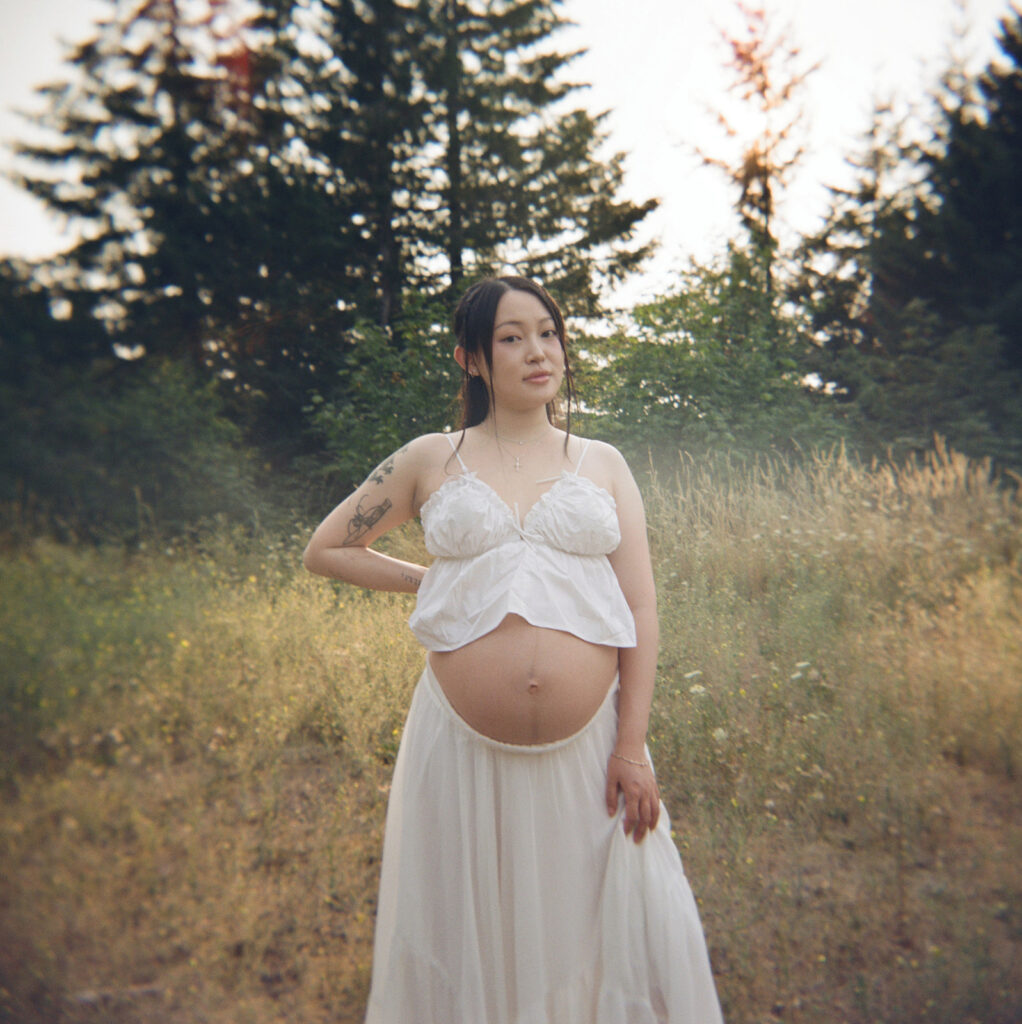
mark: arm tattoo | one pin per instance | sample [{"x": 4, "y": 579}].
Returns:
[
  {"x": 364, "y": 520},
  {"x": 414, "y": 580},
  {"x": 385, "y": 468}
]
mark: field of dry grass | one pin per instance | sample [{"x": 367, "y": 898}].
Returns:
[{"x": 195, "y": 746}]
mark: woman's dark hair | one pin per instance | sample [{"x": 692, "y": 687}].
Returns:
[{"x": 473, "y": 330}]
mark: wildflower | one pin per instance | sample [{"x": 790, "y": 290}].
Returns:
[
  {"x": 720, "y": 735},
  {"x": 697, "y": 690},
  {"x": 693, "y": 675}
]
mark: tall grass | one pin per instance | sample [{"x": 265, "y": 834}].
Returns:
[{"x": 197, "y": 743}]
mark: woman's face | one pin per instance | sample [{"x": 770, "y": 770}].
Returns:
[{"x": 527, "y": 357}]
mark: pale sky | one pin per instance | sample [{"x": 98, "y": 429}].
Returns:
[{"x": 657, "y": 65}]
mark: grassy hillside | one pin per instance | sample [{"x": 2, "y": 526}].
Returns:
[{"x": 197, "y": 741}]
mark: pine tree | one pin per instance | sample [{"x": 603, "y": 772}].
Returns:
[
  {"x": 849, "y": 271},
  {"x": 911, "y": 286},
  {"x": 206, "y": 232},
  {"x": 249, "y": 194},
  {"x": 969, "y": 239},
  {"x": 522, "y": 184},
  {"x": 151, "y": 161},
  {"x": 452, "y": 106}
]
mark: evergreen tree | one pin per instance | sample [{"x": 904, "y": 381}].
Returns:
[
  {"x": 849, "y": 271},
  {"x": 522, "y": 184},
  {"x": 40, "y": 331},
  {"x": 909, "y": 287},
  {"x": 208, "y": 234},
  {"x": 442, "y": 118},
  {"x": 355, "y": 105},
  {"x": 452, "y": 107},
  {"x": 151, "y": 160},
  {"x": 249, "y": 194},
  {"x": 969, "y": 237}
]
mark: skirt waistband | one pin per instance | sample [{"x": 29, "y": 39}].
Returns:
[{"x": 436, "y": 691}]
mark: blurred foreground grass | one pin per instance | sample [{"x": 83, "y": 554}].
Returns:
[{"x": 197, "y": 741}]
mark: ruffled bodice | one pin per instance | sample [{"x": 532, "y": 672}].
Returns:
[{"x": 550, "y": 567}]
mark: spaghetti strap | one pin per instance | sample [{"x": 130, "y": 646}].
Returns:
[
  {"x": 585, "y": 448},
  {"x": 454, "y": 448}
]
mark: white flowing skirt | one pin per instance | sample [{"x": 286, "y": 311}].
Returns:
[{"x": 508, "y": 895}]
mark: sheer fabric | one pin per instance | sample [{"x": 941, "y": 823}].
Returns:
[{"x": 550, "y": 566}]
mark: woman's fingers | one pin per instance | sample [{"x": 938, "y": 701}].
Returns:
[
  {"x": 642, "y": 799},
  {"x": 631, "y": 811},
  {"x": 646, "y": 815},
  {"x": 642, "y": 819}
]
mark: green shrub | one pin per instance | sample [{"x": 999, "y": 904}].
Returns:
[{"x": 120, "y": 451}]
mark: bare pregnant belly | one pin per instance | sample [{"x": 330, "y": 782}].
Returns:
[{"x": 525, "y": 684}]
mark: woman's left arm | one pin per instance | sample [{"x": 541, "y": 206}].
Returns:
[{"x": 634, "y": 570}]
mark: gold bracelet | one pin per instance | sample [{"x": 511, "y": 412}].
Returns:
[{"x": 628, "y": 760}]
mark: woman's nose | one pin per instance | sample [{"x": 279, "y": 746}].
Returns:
[{"x": 534, "y": 351}]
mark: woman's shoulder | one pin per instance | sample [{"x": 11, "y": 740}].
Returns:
[
  {"x": 433, "y": 458},
  {"x": 600, "y": 453},
  {"x": 601, "y": 462},
  {"x": 427, "y": 447}
]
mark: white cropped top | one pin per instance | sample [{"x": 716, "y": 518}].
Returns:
[{"x": 551, "y": 567}]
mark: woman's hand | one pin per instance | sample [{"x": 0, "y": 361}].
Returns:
[{"x": 642, "y": 795}]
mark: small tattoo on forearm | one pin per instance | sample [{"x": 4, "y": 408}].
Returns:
[
  {"x": 414, "y": 580},
  {"x": 364, "y": 520}
]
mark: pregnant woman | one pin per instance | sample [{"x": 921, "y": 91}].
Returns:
[{"x": 528, "y": 875}]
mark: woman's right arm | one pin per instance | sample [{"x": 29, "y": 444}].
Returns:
[{"x": 339, "y": 548}]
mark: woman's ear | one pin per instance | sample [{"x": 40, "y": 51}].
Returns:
[{"x": 465, "y": 361}]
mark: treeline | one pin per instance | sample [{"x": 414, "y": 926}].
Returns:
[{"x": 276, "y": 216}]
